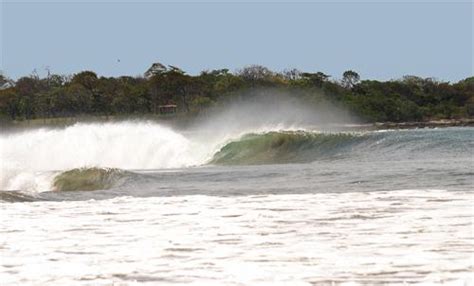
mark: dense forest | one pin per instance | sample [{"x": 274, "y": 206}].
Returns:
[{"x": 410, "y": 98}]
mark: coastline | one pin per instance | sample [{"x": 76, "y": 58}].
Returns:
[
  {"x": 464, "y": 122},
  {"x": 180, "y": 121}
]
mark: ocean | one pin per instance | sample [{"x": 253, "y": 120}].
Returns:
[{"x": 143, "y": 203}]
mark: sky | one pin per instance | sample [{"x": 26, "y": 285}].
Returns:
[{"x": 379, "y": 39}]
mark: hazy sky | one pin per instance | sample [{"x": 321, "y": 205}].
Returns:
[{"x": 379, "y": 39}]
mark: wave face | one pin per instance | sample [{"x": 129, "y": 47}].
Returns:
[
  {"x": 90, "y": 179},
  {"x": 285, "y": 147}
]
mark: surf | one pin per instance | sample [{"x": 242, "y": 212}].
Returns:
[
  {"x": 104, "y": 155},
  {"x": 32, "y": 158}
]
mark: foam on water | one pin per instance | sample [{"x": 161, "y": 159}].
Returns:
[
  {"x": 397, "y": 238},
  {"x": 26, "y": 156}
]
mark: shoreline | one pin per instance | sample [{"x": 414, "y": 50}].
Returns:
[
  {"x": 465, "y": 122},
  {"x": 180, "y": 121}
]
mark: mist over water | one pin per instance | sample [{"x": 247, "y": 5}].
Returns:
[{"x": 271, "y": 110}]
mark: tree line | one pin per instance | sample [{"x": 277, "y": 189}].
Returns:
[{"x": 410, "y": 98}]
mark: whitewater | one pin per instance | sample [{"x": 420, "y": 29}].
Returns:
[{"x": 273, "y": 203}]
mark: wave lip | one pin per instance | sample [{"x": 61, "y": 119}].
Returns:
[
  {"x": 90, "y": 179},
  {"x": 284, "y": 147}
]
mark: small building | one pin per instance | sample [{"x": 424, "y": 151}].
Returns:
[{"x": 167, "y": 109}]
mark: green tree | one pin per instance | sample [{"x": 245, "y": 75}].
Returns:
[{"x": 350, "y": 78}]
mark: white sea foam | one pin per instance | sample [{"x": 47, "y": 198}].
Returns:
[{"x": 370, "y": 238}]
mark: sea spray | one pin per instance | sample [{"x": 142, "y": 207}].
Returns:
[
  {"x": 29, "y": 155},
  {"x": 125, "y": 145}
]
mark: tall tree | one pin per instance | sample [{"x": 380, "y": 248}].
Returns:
[{"x": 350, "y": 78}]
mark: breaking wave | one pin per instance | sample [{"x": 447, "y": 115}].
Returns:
[
  {"x": 31, "y": 159},
  {"x": 285, "y": 147},
  {"x": 101, "y": 156}
]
